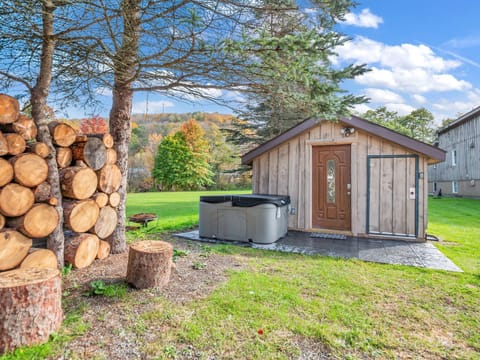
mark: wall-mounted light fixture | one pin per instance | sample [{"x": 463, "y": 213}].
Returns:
[{"x": 347, "y": 131}]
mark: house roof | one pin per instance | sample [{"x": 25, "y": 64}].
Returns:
[
  {"x": 462, "y": 119},
  {"x": 434, "y": 153}
]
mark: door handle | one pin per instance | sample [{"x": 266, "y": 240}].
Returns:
[
  {"x": 349, "y": 186},
  {"x": 348, "y": 193}
]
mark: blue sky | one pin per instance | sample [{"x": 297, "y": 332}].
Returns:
[{"x": 422, "y": 53}]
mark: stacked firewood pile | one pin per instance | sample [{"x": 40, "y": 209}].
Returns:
[{"x": 89, "y": 181}]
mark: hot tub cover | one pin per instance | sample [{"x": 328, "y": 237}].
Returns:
[{"x": 248, "y": 200}]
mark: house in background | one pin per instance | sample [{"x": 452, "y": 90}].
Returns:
[
  {"x": 459, "y": 175},
  {"x": 351, "y": 177}
]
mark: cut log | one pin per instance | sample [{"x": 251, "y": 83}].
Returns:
[
  {"x": 13, "y": 249},
  {"x": 62, "y": 134},
  {"x": 2, "y": 221},
  {"x": 31, "y": 301},
  {"x": 29, "y": 169},
  {"x": 114, "y": 199},
  {"x": 149, "y": 264},
  {"x": 111, "y": 158},
  {"x": 38, "y": 222},
  {"x": 64, "y": 157},
  {"x": 40, "y": 258},
  {"x": 43, "y": 194},
  {"x": 9, "y": 109},
  {"x": 23, "y": 126},
  {"x": 92, "y": 152},
  {"x": 39, "y": 148},
  {"x": 16, "y": 143},
  {"x": 106, "y": 223},
  {"x": 81, "y": 250},
  {"x": 107, "y": 139},
  {"x": 80, "y": 216},
  {"x": 3, "y": 145},
  {"x": 6, "y": 172},
  {"x": 103, "y": 250},
  {"x": 109, "y": 178},
  {"x": 15, "y": 200},
  {"x": 101, "y": 199},
  {"x": 78, "y": 182},
  {"x": 81, "y": 138}
]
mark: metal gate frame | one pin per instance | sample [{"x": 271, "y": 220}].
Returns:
[{"x": 417, "y": 175}]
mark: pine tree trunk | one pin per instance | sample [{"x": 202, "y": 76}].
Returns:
[{"x": 55, "y": 241}]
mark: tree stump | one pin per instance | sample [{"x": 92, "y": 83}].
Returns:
[
  {"x": 149, "y": 264},
  {"x": 31, "y": 306}
]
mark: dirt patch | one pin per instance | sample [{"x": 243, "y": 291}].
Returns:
[{"x": 114, "y": 326}]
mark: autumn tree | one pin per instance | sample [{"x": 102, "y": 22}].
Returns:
[{"x": 93, "y": 125}]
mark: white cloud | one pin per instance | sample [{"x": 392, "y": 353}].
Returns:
[
  {"x": 383, "y": 96},
  {"x": 152, "y": 107},
  {"x": 365, "y": 19},
  {"x": 419, "y": 98},
  {"x": 401, "y": 109},
  {"x": 362, "y": 108}
]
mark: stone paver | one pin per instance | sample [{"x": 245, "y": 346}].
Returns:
[{"x": 397, "y": 252}]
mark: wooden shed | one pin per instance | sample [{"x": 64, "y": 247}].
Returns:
[{"x": 351, "y": 177}]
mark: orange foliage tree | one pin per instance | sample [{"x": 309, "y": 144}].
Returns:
[{"x": 93, "y": 125}]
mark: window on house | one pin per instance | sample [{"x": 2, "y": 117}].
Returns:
[
  {"x": 454, "y": 158},
  {"x": 455, "y": 187}
]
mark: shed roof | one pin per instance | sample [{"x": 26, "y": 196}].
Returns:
[
  {"x": 434, "y": 153},
  {"x": 462, "y": 119}
]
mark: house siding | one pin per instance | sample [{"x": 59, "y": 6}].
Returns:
[
  {"x": 465, "y": 140},
  {"x": 286, "y": 170}
]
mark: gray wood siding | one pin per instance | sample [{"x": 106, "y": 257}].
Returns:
[{"x": 286, "y": 170}]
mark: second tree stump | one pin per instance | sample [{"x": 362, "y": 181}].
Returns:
[{"x": 149, "y": 264}]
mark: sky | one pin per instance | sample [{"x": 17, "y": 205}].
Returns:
[{"x": 422, "y": 53}]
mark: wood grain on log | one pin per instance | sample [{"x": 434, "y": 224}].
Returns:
[
  {"x": 109, "y": 178},
  {"x": 15, "y": 143},
  {"x": 80, "y": 216},
  {"x": 106, "y": 223},
  {"x": 114, "y": 199},
  {"x": 64, "y": 157},
  {"x": 9, "y": 109},
  {"x": 92, "y": 152},
  {"x": 78, "y": 182},
  {"x": 103, "y": 250},
  {"x": 15, "y": 200},
  {"x": 38, "y": 222},
  {"x": 3, "y": 145},
  {"x": 149, "y": 264},
  {"x": 39, "y": 148},
  {"x": 62, "y": 134},
  {"x": 111, "y": 158},
  {"x": 23, "y": 126},
  {"x": 13, "y": 249},
  {"x": 81, "y": 250},
  {"x": 6, "y": 172},
  {"x": 31, "y": 301},
  {"x": 29, "y": 169},
  {"x": 40, "y": 258},
  {"x": 101, "y": 199}
]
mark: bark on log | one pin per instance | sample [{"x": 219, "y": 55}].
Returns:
[
  {"x": 103, "y": 250},
  {"x": 39, "y": 148},
  {"x": 31, "y": 306},
  {"x": 80, "y": 216},
  {"x": 40, "y": 258},
  {"x": 38, "y": 222},
  {"x": 2, "y": 221},
  {"x": 78, "y": 182},
  {"x": 111, "y": 158},
  {"x": 29, "y": 169},
  {"x": 3, "y": 145},
  {"x": 109, "y": 178},
  {"x": 149, "y": 264},
  {"x": 114, "y": 199},
  {"x": 13, "y": 249},
  {"x": 23, "y": 126},
  {"x": 15, "y": 200},
  {"x": 6, "y": 172},
  {"x": 92, "y": 152},
  {"x": 15, "y": 143},
  {"x": 9, "y": 109},
  {"x": 43, "y": 192},
  {"x": 64, "y": 157},
  {"x": 101, "y": 199},
  {"x": 62, "y": 134},
  {"x": 81, "y": 250},
  {"x": 106, "y": 223}
]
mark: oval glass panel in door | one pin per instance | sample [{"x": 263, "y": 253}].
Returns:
[{"x": 331, "y": 181}]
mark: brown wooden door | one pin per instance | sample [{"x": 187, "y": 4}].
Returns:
[{"x": 331, "y": 187}]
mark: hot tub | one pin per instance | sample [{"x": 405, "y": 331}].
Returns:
[{"x": 260, "y": 219}]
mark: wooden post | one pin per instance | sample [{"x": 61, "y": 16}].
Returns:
[{"x": 149, "y": 264}]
